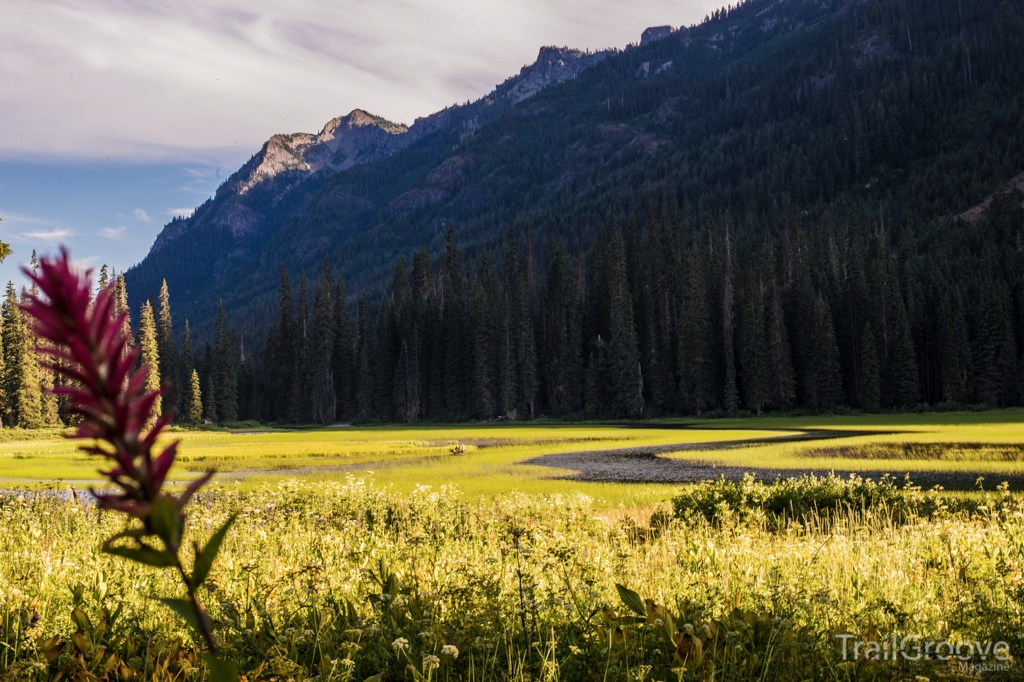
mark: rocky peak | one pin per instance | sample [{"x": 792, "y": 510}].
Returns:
[
  {"x": 554, "y": 65},
  {"x": 655, "y": 33},
  {"x": 345, "y": 141}
]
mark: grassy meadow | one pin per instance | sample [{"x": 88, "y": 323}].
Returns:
[{"x": 376, "y": 553}]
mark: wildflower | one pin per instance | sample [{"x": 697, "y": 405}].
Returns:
[
  {"x": 431, "y": 662},
  {"x": 450, "y": 650},
  {"x": 90, "y": 349},
  {"x": 87, "y": 346},
  {"x": 348, "y": 663},
  {"x": 400, "y": 644}
]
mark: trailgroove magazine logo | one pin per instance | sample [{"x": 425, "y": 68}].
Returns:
[{"x": 974, "y": 657}]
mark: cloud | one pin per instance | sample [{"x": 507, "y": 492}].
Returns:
[
  {"x": 181, "y": 212},
  {"x": 19, "y": 219},
  {"x": 141, "y": 215},
  {"x": 154, "y": 81},
  {"x": 113, "y": 232},
  {"x": 52, "y": 236}
]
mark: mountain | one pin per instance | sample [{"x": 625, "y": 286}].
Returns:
[
  {"x": 909, "y": 111},
  {"x": 226, "y": 232}
]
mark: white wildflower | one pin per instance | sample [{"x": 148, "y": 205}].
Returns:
[
  {"x": 450, "y": 650},
  {"x": 400, "y": 643},
  {"x": 431, "y": 662}
]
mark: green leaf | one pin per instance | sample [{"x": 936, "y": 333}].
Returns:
[
  {"x": 143, "y": 555},
  {"x": 632, "y": 600},
  {"x": 220, "y": 670},
  {"x": 166, "y": 522},
  {"x": 375, "y": 678},
  {"x": 81, "y": 620},
  {"x": 184, "y": 608},
  {"x": 204, "y": 559}
]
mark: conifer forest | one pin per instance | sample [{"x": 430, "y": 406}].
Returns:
[{"x": 667, "y": 315}]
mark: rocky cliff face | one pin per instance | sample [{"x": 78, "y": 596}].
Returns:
[
  {"x": 287, "y": 162},
  {"x": 554, "y": 65}
]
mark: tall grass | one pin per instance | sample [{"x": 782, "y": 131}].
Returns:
[{"x": 349, "y": 580}]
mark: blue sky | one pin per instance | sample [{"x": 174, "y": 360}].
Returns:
[{"x": 117, "y": 113}]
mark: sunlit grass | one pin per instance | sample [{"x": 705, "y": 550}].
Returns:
[{"x": 403, "y": 457}]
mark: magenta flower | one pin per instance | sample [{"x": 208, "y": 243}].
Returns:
[{"x": 90, "y": 349}]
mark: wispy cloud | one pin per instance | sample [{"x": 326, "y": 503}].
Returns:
[
  {"x": 52, "y": 236},
  {"x": 154, "y": 80},
  {"x": 181, "y": 212},
  {"x": 113, "y": 232},
  {"x": 10, "y": 219},
  {"x": 141, "y": 215}
]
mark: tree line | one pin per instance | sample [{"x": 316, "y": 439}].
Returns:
[{"x": 677, "y": 315}]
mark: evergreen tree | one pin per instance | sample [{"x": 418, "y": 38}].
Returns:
[
  {"x": 121, "y": 308},
  {"x": 321, "y": 374},
  {"x": 780, "y": 359},
  {"x": 49, "y": 413},
  {"x": 195, "y": 400},
  {"x": 364, "y": 342},
  {"x": 299, "y": 406},
  {"x": 343, "y": 356},
  {"x": 282, "y": 355},
  {"x": 694, "y": 359},
  {"x": 209, "y": 393},
  {"x": 170, "y": 370},
  {"x": 732, "y": 398},
  {"x": 225, "y": 369},
  {"x": 757, "y": 384},
  {"x": 454, "y": 328},
  {"x": 188, "y": 365},
  {"x": 596, "y": 389},
  {"x": 902, "y": 370},
  {"x": 149, "y": 355},
  {"x": 955, "y": 355},
  {"x": 870, "y": 387},
  {"x": 625, "y": 380},
  {"x": 21, "y": 378}
]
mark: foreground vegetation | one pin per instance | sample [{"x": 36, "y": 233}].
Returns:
[
  {"x": 354, "y": 557},
  {"x": 341, "y": 581}
]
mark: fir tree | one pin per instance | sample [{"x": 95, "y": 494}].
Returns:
[
  {"x": 195, "y": 400},
  {"x": 321, "y": 375},
  {"x": 170, "y": 370},
  {"x": 150, "y": 353},
  {"x": 870, "y": 386},
  {"x": 282, "y": 355},
  {"x": 343, "y": 358},
  {"x": 188, "y": 365},
  {"x": 364, "y": 378},
  {"x": 209, "y": 393},
  {"x": 225, "y": 370},
  {"x": 902, "y": 370},
  {"x": 21, "y": 377},
  {"x": 625, "y": 380},
  {"x": 121, "y": 308},
  {"x": 732, "y": 398}
]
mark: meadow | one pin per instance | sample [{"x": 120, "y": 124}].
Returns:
[{"x": 435, "y": 552}]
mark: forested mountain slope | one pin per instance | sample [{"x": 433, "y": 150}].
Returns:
[{"x": 900, "y": 112}]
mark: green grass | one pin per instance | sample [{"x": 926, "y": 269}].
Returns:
[
  {"x": 351, "y": 539},
  {"x": 984, "y": 443}
]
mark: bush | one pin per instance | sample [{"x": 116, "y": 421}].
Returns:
[{"x": 792, "y": 498}]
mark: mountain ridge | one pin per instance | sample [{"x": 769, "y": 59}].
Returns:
[{"x": 764, "y": 109}]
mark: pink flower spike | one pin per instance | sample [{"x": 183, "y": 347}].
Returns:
[{"x": 88, "y": 350}]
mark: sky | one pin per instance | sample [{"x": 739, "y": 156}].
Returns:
[{"x": 116, "y": 115}]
